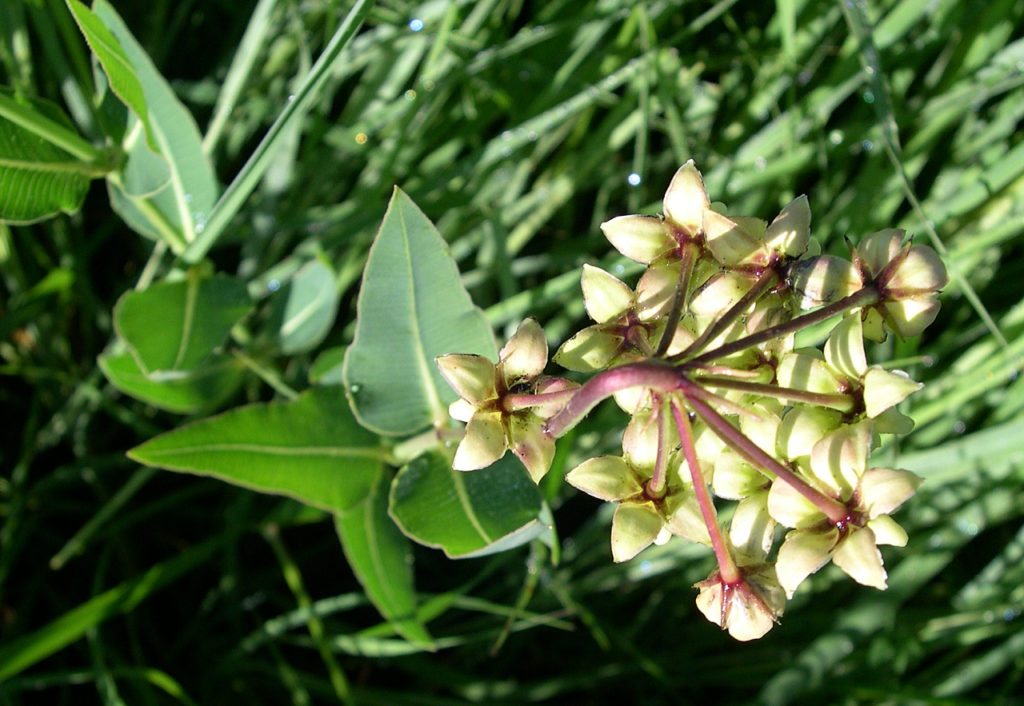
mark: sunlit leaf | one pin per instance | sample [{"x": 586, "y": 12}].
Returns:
[
  {"x": 381, "y": 557},
  {"x": 37, "y": 179},
  {"x": 174, "y": 326},
  {"x": 201, "y": 388},
  {"x": 412, "y": 308},
  {"x": 310, "y": 449},
  {"x": 176, "y": 212},
  {"x": 466, "y": 514}
]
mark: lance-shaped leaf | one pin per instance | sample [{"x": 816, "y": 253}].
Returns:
[
  {"x": 37, "y": 179},
  {"x": 412, "y": 308},
  {"x": 174, "y": 326},
  {"x": 381, "y": 557},
  {"x": 466, "y": 514},
  {"x": 310, "y": 449},
  {"x": 123, "y": 80},
  {"x": 202, "y": 388},
  {"x": 179, "y": 210}
]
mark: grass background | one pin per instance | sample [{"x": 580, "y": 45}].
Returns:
[{"x": 516, "y": 127}]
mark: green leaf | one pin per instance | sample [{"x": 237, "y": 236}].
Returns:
[
  {"x": 326, "y": 369},
  {"x": 304, "y": 309},
  {"x": 381, "y": 557},
  {"x": 37, "y": 179},
  {"x": 112, "y": 58},
  {"x": 196, "y": 390},
  {"x": 466, "y": 514},
  {"x": 175, "y": 326},
  {"x": 178, "y": 211},
  {"x": 310, "y": 449},
  {"x": 412, "y": 308}
]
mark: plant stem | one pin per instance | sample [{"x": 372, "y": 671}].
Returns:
[
  {"x": 652, "y": 374},
  {"x": 766, "y": 279},
  {"x": 843, "y": 403},
  {"x": 738, "y": 442},
  {"x": 679, "y": 298},
  {"x": 512, "y": 403},
  {"x": 727, "y": 568},
  {"x": 862, "y": 297},
  {"x": 658, "y": 483}
]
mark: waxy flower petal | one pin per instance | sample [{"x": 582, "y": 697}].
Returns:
[
  {"x": 530, "y": 444},
  {"x": 790, "y": 232},
  {"x": 844, "y": 349},
  {"x": 643, "y": 239},
  {"x": 735, "y": 242},
  {"x": 607, "y": 478},
  {"x": 884, "y": 389},
  {"x": 883, "y": 490},
  {"x": 483, "y": 444},
  {"x": 686, "y": 199},
  {"x": 752, "y": 529},
  {"x": 524, "y": 356},
  {"x": 747, "y": 609},
  {"x": 591, "y": 349},
  {"x": 604, "y": 295},
  {"x": 888, "y": 532},
  {"x": 802, "y": 553},
  {"x": 802, "y": 427},
  {"x": 635, "y": 526},
  {"x": 859, "y": 557},
  {"x": 471, "y": 376}
]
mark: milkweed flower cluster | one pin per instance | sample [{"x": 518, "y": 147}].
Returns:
[{"x": 723, "y": 408}]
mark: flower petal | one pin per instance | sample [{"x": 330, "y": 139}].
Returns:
[
  {"x": 656, "y": 290},
  {"x": 878, "y": 249},
  {"x": 734, "y": 478},
  {"x": 471, "y": 376},
  {"x": 844, "y": 349},
  {"x": 912, "y": 315},
  {"x": 884, "y": 389},
  {"x": 752, "y": 529},
  {"x": 634, "y": 528},
  {"x": 859, "y": 557},
  {"x": 790, "y": 232},
  {"x": 790, "y": 508},
  {"x": 686, "y": 199},
  {"x": 591, "y": 349},
  {"x": 605, "y": 296},
  {"x": 802, "y": 427},
  {"x": 462, "y": 410},
  {"x": 606, "y": 478},
  {"x": 888, "y": 532},
  {"x": 640, "y": 238},
  {"x": 802, "y": 553},
  {"x": 684, "y": 518},
  {"x": 530, "y": 444},
  {"x": 921, "y": 271},
  {"x": 734, "y": 241},
  {"x": 882, "y": 490},
  {"x": 839, "y": 459},
  {"x": 483, "y": 444},
  {"x": 525, "y": 355}
]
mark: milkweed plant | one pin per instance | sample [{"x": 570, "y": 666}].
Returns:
[{"x": 721, "y": 406}]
